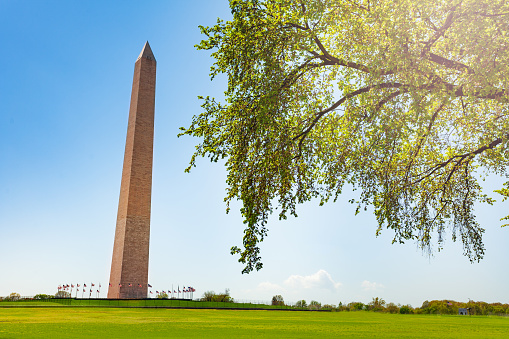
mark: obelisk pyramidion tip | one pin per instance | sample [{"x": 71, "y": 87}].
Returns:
[{"x": 146, "y": 53}]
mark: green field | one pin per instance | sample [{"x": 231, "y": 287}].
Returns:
[{"x": 80, "y": 322}]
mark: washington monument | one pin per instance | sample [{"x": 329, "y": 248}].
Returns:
[{"x": 129, "y": 265}]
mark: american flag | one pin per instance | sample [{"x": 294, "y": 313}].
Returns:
[
  {"x": 149, "y": 285},
  {"x": 130, "y": 285}
]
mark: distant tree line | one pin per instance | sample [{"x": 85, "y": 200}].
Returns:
[
  {"x": 376, "y": 305},
  {"x": 428, "y": 307}
]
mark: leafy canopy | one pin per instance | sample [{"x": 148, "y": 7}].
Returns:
[{"x": 405, "y": 100}]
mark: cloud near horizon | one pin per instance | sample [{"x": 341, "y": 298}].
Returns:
[
  {"x": 371, "y": 286},
  {"x": 268, "y": 286},
  {"x": 321, "y": 279}
]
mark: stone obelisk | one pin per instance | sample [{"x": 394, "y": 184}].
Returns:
[{"x": 129, "y": 265}]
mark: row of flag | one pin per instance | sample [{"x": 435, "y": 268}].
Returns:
[
  {"x": 83, "y": 289},
  {"x": 184, "y": 290},
  {"x": 69, "y": 287}
]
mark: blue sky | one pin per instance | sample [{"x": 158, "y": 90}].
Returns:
[{"x": 65, "y": 87}]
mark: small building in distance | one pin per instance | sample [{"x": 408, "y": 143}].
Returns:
[{"x": 463, "y": 311}]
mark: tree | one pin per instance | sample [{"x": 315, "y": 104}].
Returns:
[
  {"x": 221, "y": 297},
  {"x": 62, "y": 294},
  {"x": 278, "y": 300},
  {"x": 376, "y": 304},
  {"x": 162, "y": 295},
  {"x": 43, "y": 296},
  {"x": 301, "y": 304},
  {"x": 315, "y": 305},
  {"x": 13, "y": 297},
  {"x": 406, "y": 101},
  {"x": 405, "y": 309},
  {"x": 392, "y": 308}
]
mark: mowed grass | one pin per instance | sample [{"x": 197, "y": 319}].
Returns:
[{"x": 84, "y": 322}]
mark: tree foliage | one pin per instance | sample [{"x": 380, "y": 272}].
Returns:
[
  {"x": 315, "y": 305},
  {"x": 43, "y": 296},
  {"x": 406, "y": 101},
  {"x": 62, "y": 294},
  {"x": 220, "y": 297},
  {"x": 13, "y": 297},
  {"x": 162, "y": 295},
  {"x": 301, "y": 304},
  {"x": 278, "y": 300}
]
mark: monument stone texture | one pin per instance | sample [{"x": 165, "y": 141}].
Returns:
[{"x": 129, "y": 265}]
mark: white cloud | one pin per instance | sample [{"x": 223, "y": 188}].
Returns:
[
  {"x": 321, "y": 279},
  {"x": 269, "y": 287},
  {"x": 371, "y": 286}
]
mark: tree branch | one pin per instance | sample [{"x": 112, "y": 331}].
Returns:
[
  {"x": 450, "y": 63},
  {"x": 448, "y": 22},
  {"x": 320, "y": 114},
  {"x": 461, "y": 157}
]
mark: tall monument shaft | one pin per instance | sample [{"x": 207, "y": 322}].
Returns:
[{"x": 129, "y": 265}]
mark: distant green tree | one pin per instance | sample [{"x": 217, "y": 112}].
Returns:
[
  {"x": 315, "y": 305},
  {"x": 162, "y": 295},
  {"x": 62, "y": 294},
  {"x": 13, "y": 297},
  {"x": 342, "y": 307},
  {"x": 392, "y": 308},
  {"x": 377, "y": 304},
  {"x": 43, "y": 296},
  {"x": 277, "y": 300},
  {"x": 208, "y": 296},
  {"x": 301, "y": 304},
  {"x": 404, "y": 310},
  {"x": 221, "y": 297},
  {"x": 328, "y": 307},
  {"x": 355, "y": 306}
]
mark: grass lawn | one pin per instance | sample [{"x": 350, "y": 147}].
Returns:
[{"x": 79, "y": 322}]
